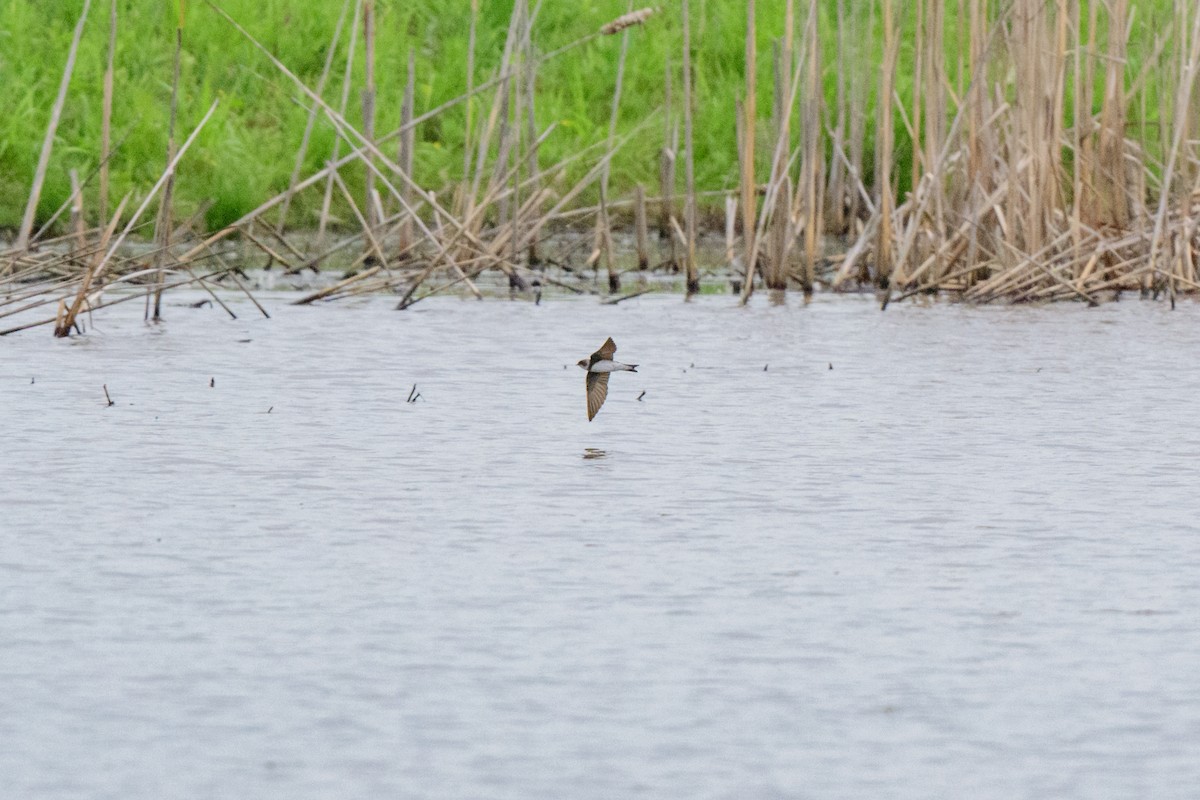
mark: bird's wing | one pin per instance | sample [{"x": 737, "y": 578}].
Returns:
[
  {"x": 597, "y": 391},
  {"x": 605, "y": 353}
]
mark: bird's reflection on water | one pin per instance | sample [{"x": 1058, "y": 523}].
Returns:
[{"x": 593, "y": 452}]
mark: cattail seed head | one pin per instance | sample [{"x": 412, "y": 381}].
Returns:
[{"x": 627, "y": 21}]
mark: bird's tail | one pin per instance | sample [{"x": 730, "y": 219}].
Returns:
[{"x": 632, "y": 367}]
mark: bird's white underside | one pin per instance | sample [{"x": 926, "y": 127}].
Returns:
[{"x": 610, "y": 366}]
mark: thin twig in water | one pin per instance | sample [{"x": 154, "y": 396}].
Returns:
[{"x": 614, "y": 300}]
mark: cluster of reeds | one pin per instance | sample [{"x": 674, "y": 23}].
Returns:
[
  {"x": 1024, "y": 178},
  {"x": 407, "y": 234},
  {"x": 1029, "y": 179},
  {"x": 1033, "y": 188}
]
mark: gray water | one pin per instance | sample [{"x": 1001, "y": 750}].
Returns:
[{"x": 963, "y": 562}]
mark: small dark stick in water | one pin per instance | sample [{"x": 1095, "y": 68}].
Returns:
[
  {"x": 212, "y": 383},
  {"x": 411, "y": 394},
  {"x": 107, "y": 398},
  {"x": 640, "y": 396},
  {"x": 831, "y": 365},
  {"x": 765, "y": 367}
]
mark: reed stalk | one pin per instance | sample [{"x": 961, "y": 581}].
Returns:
[
  {"x": 884, "y": 145},
  {"x": 106, "y": 107},
  {"x": 689, "y": 166},
  {"x": 407, "y": 147},
  {"x": 39, "y": 176},
  {"x": 813, "y": 163},
  {"x": 666, "y": 162},
  {"x": 1182, "y": 125},
  {"x": 162, "y": 234},
  {"x": 731, "y": 213},
  {"x": 604, "y": 224},
  {"x": 470, "y": 107},
  {"x": 532, "y": 165},
  {"x": 858, "y": 118},
  {"x": 837, "y": 190},
  {"x": 749, "y": 118},
  {"x": 368, "y": 100},
  {"x": 641, "y": 235},
  {"x": 918, "y": 71},
  {"x": 77, "y": 224},
  {"x": 333, "y": 163}
]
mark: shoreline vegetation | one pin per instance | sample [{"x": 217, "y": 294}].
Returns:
[{"x": 1018, "y": 151}]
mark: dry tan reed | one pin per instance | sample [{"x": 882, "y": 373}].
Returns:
[
  {"x": 39, "y": 177},
  {"x": 164, "y": 221},
  {"x": 748, "y": 119},
  {"x": 691, "y": 269}
]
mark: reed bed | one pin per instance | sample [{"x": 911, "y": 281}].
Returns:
[{"x": 1032, "y": 156}]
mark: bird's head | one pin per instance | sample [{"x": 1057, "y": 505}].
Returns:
[{"x": 583, "y": 362}]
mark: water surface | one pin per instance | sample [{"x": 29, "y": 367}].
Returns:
[{"x": 830, "y": 552}]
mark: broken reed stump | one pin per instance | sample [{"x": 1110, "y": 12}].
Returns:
[
  {"x": 640, "y": 234},
  {"x": 731, "y": 211}
]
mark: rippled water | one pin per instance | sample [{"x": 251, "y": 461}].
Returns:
[{"x": 963, "y": 562}]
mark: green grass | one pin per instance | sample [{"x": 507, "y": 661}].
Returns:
[{"x": 247, "y": 151}]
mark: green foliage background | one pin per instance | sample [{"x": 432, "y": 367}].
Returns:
[{"x": 247, "y": 151}]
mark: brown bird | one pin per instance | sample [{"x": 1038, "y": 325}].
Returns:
[{"x": 598, "y": 367}]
